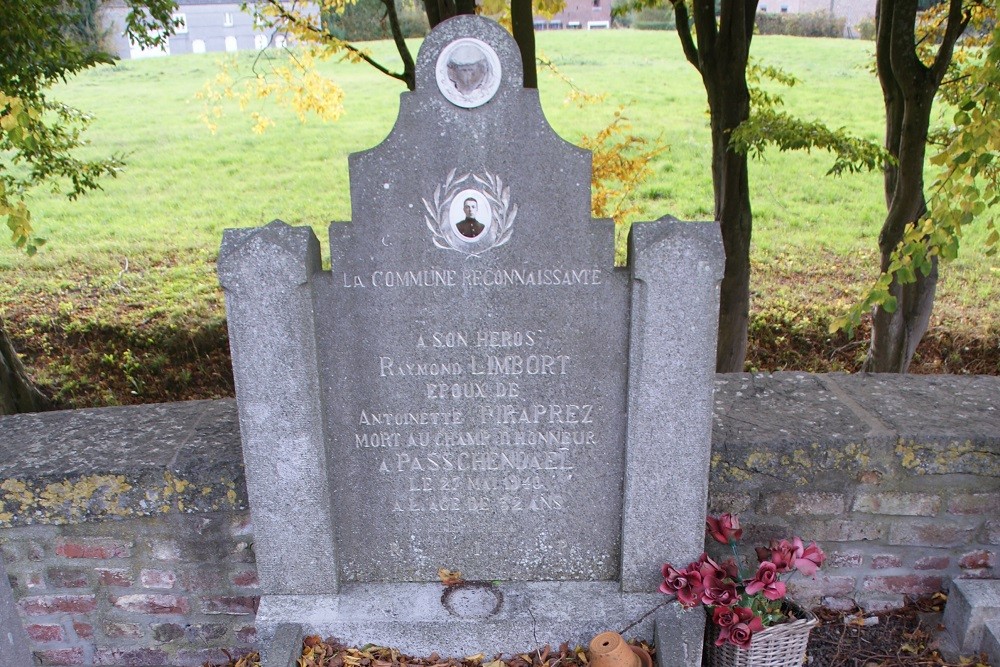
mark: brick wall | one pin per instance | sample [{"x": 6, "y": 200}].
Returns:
[
  {"x": 175, "y": 589},
  {"x": 128, "y": 542}
]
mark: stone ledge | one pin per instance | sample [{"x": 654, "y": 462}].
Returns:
[
  {"x": 797, "y": 429},
  {"x": 419, "y": 619}
]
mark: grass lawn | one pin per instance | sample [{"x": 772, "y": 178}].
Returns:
[{"x": 123, "y": 305}]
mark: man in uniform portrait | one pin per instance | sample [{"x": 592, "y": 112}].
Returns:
[{"x": 470, "y": 228}]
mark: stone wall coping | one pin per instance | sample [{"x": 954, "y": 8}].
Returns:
[{"x": 74, "y": 465}]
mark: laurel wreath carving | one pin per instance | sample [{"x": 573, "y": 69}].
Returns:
[{"x": 496, "y": 193}]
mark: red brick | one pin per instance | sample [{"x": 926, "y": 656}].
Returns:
[
  {"x": 157, "y": 578},
  {"x": 123, "y": 657},
  {"x": 52, "y": 604},
  {"x": 122, "y": 630},
  {"x": 246, "y": 604},
  {"x": 781, "y": 504},
  {"x": 205, "y": 656},
  {"x": 152, "y": 604},
  {"x": 975, "y": 560},
  {"x": 907, "y": 584},
  {"x": 206, "y": 632},
  {"x": 203, "y": 580},
  {"x": 247, "y": 635},
  {"x": 843, "y": 559},
  {"x": 35, "y": 551},
  {"x": 974, "y": 503},
  {"x": 67, "y": 577},
  {"x": 985, "y": 573},
  {"x": 930, "y": 534},
  {"x": 113, "y": 577},
  {"x": 803, "y": 588},
  {"x": 45, "y": 633},
  {"x": 61, "y": 656},
  {"x": 166, "y": 632},
  {"x": 93, "y": 547},
  {"x": 247, "y": 578},
  {"x": 898, "y": 504},
  {"x": 165, "y": 550},
  {"x": 876, "y": 605},
  {"x": 886, "y": 561},
  {"x": 83, "y": 630},
  {"x": 839, "y": 604},
  {"x": 932, "y": 563},
  {"x": 734, "y": 503},
  {"x": 842, "y": 530}
]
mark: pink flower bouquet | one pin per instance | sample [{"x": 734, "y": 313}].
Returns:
[{"x": 741, "y": 606}]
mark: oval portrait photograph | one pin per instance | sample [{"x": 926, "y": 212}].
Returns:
[{"x": 470, "y": 215}]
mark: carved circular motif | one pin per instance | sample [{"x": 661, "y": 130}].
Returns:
[
  {"x": 468, "y": 72},
  {"x": 472, "y": 599}
]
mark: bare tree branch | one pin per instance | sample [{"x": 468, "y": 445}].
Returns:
[{"x": 684, "y": 32}]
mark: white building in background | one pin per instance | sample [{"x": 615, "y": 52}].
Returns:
[
  {"x": 853, "y": 11},
  {"x": 206, "y": 26}
]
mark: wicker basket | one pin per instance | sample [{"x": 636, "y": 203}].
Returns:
[{"x": 781, "y": 645}]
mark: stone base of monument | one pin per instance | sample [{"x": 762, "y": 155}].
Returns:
[{"x": 484, "y": 617}]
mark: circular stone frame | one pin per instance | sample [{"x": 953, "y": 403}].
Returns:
[{"x": 484, "y": 90}]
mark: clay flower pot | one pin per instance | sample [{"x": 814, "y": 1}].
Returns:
[{"x": 608, "y": 649}]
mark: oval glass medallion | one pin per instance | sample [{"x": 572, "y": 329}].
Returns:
[{"x": 468, "y": 72}]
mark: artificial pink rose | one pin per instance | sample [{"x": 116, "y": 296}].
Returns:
[
  {"x": 724, "y": 529},
  {"x": 741, "y": 633},
  {"x": 724, "y": 617},
  {"x": 730, "y": 569},
  {"x": 766, "y": 582},
  {"x": 673, "y": 579},
  {"x": 742, "y": 618},
  {"x": 707, "y": 567},
  {"x": 808, "y": 559},
  {"x": 685, "y": 584},
  {"x": 783, "y": 555},
  {"x": 719, "y": 592}
]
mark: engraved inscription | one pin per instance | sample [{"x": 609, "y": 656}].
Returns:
[
  {"x": 435, "y": 278},
  {"x": 491, "y": 445}
]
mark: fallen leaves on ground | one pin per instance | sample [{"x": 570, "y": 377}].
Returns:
[
  {"x": 905, "y": 637},
  {"x": 449, "y": 577},
  {"x": 317, "y": 652}
]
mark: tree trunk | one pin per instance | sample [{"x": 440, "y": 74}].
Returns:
[
  {"x": 720, "y": 56},
  {"x": 895, "y": 335},
  {"x": 17, "y": 392},
  {"x": 522, "y": 24},
  {"x": 729, "y": 104},
  {"x": 908, "y": 90}
]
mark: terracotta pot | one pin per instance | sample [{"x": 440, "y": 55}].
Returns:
[{"x": 608, "y": 649}]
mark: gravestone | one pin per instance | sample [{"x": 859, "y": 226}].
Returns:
[
  {"x": 473, "y": 386},
  {"x": 14, "y": 645}
]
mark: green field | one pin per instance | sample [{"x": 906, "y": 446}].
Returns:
[{"x": 130, "y": 269}]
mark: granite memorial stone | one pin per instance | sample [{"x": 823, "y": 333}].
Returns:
[
  {"x": 14, "y": 644},
  {"x": 473, "y": 386}
]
